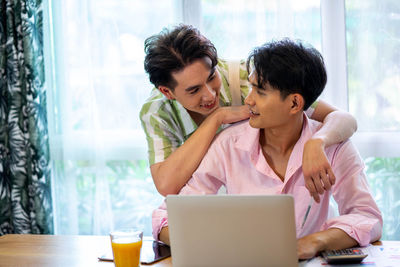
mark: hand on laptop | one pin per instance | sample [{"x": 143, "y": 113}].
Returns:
[{"x": 318, "y": 174}]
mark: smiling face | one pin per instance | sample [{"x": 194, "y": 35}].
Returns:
[
  {"x": 197, "y": 89},
  {"x": 267, "y": 108}
]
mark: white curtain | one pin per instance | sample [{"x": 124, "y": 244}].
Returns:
[{"x": 101, "y": 176}]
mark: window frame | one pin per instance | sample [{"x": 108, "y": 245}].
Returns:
[{"x": 333, "y": 18}]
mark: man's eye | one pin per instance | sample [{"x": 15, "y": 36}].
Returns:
[
  {"x": 260, "y": 92},
  {"x": 194, "y": 91}
]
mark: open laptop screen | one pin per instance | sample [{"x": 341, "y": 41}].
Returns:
[{"x": 232, "y": 230}]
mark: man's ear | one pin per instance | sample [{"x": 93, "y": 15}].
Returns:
[
  {"x": 297, "y": 103},
  {"x": 166, "y": 91}
]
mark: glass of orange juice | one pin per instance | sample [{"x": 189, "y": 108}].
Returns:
[{"x": 126, "y": 245}]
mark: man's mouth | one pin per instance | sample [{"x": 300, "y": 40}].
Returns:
[
  {"x": 209, "y": 105},
  {"x": 253, "y": 113}
]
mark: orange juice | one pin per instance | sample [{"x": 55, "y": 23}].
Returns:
[{"x": 126, "y": 251}]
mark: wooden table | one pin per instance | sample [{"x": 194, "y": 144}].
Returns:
[{"x": 57, "y": 250}]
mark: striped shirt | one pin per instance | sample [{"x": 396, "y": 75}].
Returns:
[{"x": 167, "y": 124}]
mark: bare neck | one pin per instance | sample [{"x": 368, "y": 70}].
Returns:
[
  {"x": 283, "y": 138},
  {"x": 277, "y": 144}
]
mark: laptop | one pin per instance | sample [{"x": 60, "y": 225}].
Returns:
[{"x": 232, "y": 230}]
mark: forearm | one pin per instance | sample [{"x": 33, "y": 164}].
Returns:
[
  {"x": 164, "y": 235},
  {"x": 333, "y": 238},
  {"x": 337, "y": 127},
  {"x": 172, "y": 174}
]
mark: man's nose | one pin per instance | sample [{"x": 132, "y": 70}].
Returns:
[
  {"x": 249, "y": 99},
  {"x": 208, "y": 92}
]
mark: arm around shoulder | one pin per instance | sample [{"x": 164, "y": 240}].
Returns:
[
  {"x": 337, "y": 127},
  {"x": 173, "y": 173}
]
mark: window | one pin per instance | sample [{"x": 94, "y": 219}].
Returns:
[
  {"x": 95, "y": 72},
  {"x": 373, "y": 71},
  {"x": 235, "y": 27},
  {"x": 372, "y": 35}
]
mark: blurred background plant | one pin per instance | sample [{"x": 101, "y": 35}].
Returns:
[
  {"x": 131, "y": 189},
  {"x": 384, "y": 179}
]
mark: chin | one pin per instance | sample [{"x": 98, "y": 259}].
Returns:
[
  {"x": 208, "y": 112},
  {"x": 253, "y": 124}
]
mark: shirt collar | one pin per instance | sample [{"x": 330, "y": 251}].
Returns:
[{"x": 249, "y": 141}]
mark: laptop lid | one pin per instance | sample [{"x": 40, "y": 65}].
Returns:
[{"x": 232, "y": 230}]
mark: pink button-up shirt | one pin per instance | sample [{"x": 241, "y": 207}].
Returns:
[{"x": 235, "y": 160}]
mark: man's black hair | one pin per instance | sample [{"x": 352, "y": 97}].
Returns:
[
  {"x": 289, "y": 67},
  {"x": 172, "y": 50}
]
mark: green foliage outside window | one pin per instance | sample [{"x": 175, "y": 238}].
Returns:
[{"x": 384, "y": 179}]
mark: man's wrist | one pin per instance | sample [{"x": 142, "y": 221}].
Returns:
[
  {"x": 319, "y": 241},
  {"x": 217, "y": 117},
  {"x": 317, "y": 141}
]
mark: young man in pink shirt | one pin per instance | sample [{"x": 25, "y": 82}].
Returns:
[{"x": 264, "y": 155}]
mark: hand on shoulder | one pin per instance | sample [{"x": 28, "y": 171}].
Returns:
[{"x": 231, "y": 114}]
